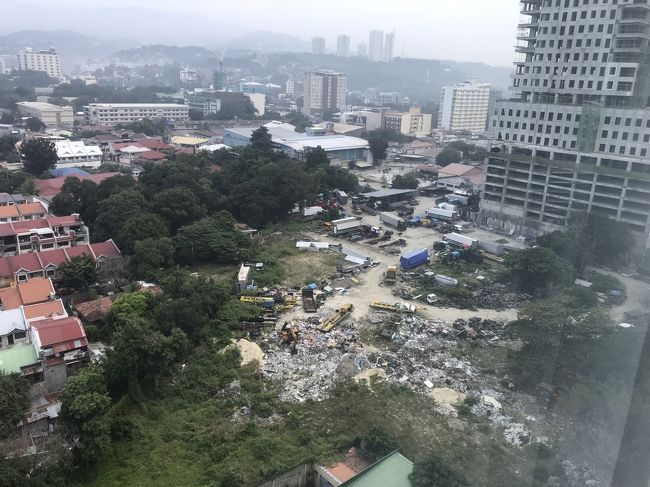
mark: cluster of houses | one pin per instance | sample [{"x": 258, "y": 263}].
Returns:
[{"x": 41, "y": 338}]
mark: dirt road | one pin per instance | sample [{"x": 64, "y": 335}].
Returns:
[
  {"x": 370, "y": 288},
  {"x": 638, "y": 295}
]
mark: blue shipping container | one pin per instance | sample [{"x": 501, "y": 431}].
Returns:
[{"x": 414, "y": 258}]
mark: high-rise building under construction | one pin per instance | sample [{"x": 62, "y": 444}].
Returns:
[{"x": 575, "y": 133}]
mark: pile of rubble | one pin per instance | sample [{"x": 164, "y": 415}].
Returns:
[
  {"x": 476, "y": 328},
  {"x": 493, "y": 296}
]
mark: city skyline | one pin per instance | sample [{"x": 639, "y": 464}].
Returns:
[{"x": 425, "y": 35}]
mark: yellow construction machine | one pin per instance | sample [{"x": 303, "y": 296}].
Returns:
[{"x": 338, "y": 316}]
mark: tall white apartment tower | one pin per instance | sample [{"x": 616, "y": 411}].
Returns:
[
  {"x": 464, "y": 107},
  {"x": 575, "y": 134},
  {"x": 376, "y": 45},
  {"x": 46, "y": 61},
  {"x": 343, "y": 45},
  {"x": 389, "y": 46},
  {"x": 318, "y": 45},
  {"x": 324, "y": 90}
]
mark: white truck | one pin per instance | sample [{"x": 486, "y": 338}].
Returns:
[{"x": 392, "y": 220}]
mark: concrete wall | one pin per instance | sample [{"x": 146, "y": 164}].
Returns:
[{"x": 299, "y": 476}]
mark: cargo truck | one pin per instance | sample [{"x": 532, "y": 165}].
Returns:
[
  {"x": 491, "y": 247},
  {"x": 308, "y": 300},
  {"x": 392, "y": 220},
  {"x": 413, "y": 259},
  {"x": 441, "y": 214},
  {"x": 461, "y": 241}
]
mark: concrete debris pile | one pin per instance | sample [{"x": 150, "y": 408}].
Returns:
[
  {"x": 312, "y": 371},
  {"x": 490, "y": 405},
  {"x": 476, "y": 328},
  {"x": 493, "y": 296}
]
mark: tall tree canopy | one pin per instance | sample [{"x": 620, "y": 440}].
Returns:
[{"x": 38, "y": 155}]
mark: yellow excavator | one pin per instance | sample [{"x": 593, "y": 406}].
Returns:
[
  {"x": 338, "y": 316},
  {"x": 289, "y": 335}
]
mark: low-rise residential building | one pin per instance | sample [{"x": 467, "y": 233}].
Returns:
[
  {"x": 48, "y": 233},
  {"x": 186, "y": 142},
  {"x": 77, "y": 154},
  {"x": 52, "y": 116},
  {"x": 61, "y": 346},
  {"x": 49, "y": 309},
  {"x": 22, "y": 211},
  {"x": 112, "y": 114},
  {"x": 413, "y": 122},
  {"x": 34, "y": 291},
  {"x": 368, "y": 119},
  {"x": 338, "y": 147},
  {"x": 21, "y": 268},
  {"x": 49, "y": 188}
]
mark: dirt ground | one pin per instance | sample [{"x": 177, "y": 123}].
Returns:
[
  {"x": 309, "y": 266},
  {"x": 638, "y": 295},
  {"x": 371, "y": 288},
  {"x": 250, "y": 352}
]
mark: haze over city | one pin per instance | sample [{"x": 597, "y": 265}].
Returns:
[{"x": 464, "y": 30}]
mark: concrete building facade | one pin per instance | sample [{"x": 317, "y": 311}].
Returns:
[
  {"x": 343, "y": 45},
  {"x": 389, "y": 46},
  {"x": 115, "y": 113},
  {"x": 376, "y": 45},
  {"x": 413, "y": 122},
  {"x": 53, "y": 116},
  {"x": 324, "y": 90},
  {"x": 318, "y": 45},
  {"x": 575, "y": 134},
  {"x": 464, "y": 107},
  {"x": 46, "y": 61}
]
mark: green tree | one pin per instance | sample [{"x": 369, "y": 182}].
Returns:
[
  {"x": 13, "y": 402},
  {"x": 152, "y": 254},
  {"x": 38, "y": 155},
  {"x": 196, "y": 115},
  {"x": 261, "y": 140},
  {"x": 406, "y": 181},
  {"x": 178, "y": 206},
  {"x": 299, "y": 120},
  {"x": 448, "y": 156},
  {"x": 317, "y": 158},
  {"x": 433, "y": 472},
  {"x": 34, "y": 124},
  {"x": 78, "y": 273},
  {"x": 378, "y": 146},
  {"x": 138, "y": 227},
  {"x": 539, "y": 269},
  {"x": 84, "y": 403},
  {"x": 115, "y": 210},
  {"x": 213, "y": 239}
]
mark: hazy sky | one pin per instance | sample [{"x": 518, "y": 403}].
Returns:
[{"x": 463, "y": 30}]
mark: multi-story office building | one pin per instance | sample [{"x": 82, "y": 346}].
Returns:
[
  {"x": 53, "y": 116},
  {"x": 413, "y": 122},
  {"x": 343, "y": 45},
  {"x": 389, "y": 46},
  {"x": 464, "y": 107},
  {"x": 116, "y": 113},
  {"x": 576, "y": 133},
  {"x": 318, "y": 45},
  {"x": 376, "y": 45},
  {"x": 324, "y": 90},
  {"x": 46, "y": 61}
]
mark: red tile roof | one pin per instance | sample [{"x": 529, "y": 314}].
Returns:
[
  {"x": 152, "y": 155},
  {"x": 54, "y": 257},
  {"x": 153, "y": 144},
  {"x": 51, "y": 187},
  {"x": 455, "y": 169},
  {"x": 106, "y": 249},
  {"x": 79, "y": 250},
  {"x": 53, "y": 331},
  {"x": 27, "y": 225},
  {"x": 28, "y": 262},
  {"x": 63, "y": 220},
  {"x": 37, "y": 290},
  {"x": 50, "y": 309}
]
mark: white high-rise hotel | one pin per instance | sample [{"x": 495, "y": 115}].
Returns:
[
  {"x": 45, "y": 61},
  {"x": 464, "y": 107},
  {"x": 575, "y": 135}
]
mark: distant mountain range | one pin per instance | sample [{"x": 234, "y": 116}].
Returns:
[
  {"x": 265, "y": 41},
  {"x": 73, "y": 47}
]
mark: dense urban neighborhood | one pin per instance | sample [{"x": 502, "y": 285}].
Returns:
[{"x": 326, "y": 266}]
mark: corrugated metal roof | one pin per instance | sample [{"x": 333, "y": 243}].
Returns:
[
  {"x": 392, "y": 470},
  {"x": 384, "y": 193}
]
